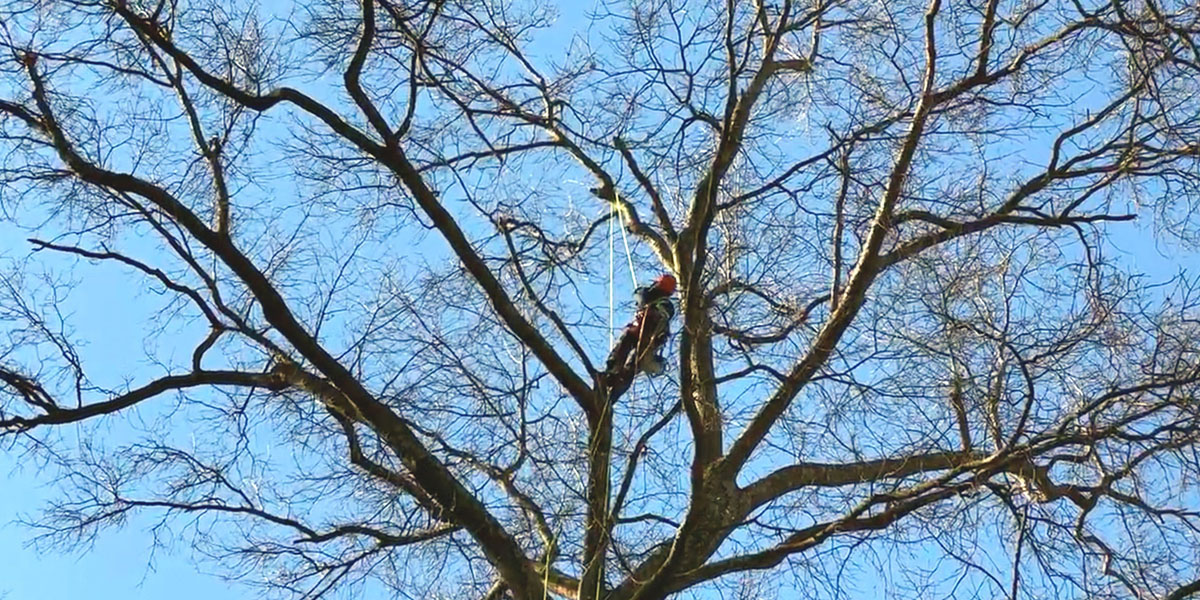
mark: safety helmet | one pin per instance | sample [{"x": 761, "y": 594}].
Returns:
[{"x": 666, "y": 283}]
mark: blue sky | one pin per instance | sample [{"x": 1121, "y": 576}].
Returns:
[
  {"x": 107, "y": 309},
  {"x": 121, "y": 563},
  {"x": 117, "y": 564}
]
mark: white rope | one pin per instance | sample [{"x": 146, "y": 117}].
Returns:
[
  {"x": 633, "y": 278},
  {"x": 628, "y": 254},
  {"x": 612, "y": 270}
]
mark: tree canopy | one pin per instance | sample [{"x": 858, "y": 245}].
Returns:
[{"x": 369, "y": 258}]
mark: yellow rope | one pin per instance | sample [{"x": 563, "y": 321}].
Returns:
[
  {"x": 546, "y": 569},
  {"x": 611, "y": 326}
]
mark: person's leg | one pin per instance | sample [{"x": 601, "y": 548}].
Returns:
[{"x": 620, "y": 353}]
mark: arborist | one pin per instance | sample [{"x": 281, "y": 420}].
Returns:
[{"x": 640, "y": 345}]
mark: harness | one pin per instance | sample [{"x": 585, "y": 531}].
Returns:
[
  {"x": 646, "y": 339},
  {"x": 664, "y": 307}
]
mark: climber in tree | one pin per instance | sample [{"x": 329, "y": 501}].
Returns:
[{"x": 640, "y": 345}]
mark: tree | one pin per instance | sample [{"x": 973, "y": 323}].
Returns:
[{"x": 375, "y": 237}]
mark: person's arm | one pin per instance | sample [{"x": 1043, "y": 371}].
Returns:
[{"x": 642, "y": 295}]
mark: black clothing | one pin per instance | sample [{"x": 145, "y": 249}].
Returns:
[{"x": 640, "y": 346}]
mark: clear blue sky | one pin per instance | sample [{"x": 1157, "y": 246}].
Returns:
[
  {"x": 108, "y": 310},
  {"x": 122, "y": 563},
  {"x": 118, "y": 564}
]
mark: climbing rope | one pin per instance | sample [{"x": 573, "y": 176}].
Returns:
[
  {"x": 611, "y": 274},
  {"x": 612, "y": 284},
  {"x": 611, "y": 331},
  {"x": 628, "y": 254}
]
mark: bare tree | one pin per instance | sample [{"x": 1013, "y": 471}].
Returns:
[{"x": 383, "y": 240}]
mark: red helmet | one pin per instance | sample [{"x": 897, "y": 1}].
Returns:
[{"x": 665, "y": 283}]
